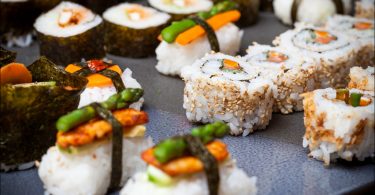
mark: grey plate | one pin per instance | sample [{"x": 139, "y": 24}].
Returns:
[{"x": 275, "y": 155}]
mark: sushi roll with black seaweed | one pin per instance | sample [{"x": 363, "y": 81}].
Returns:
[
  {"x": 363, "y": 79},
  {"x": 292, "y": 74},
  {"x": 219, "y": 87},
  {"x": 131, "y": 30},
  {"x": 180, "y": 9},
  {"x": 97, "y": 147},
  {"x": 104, "y": 80},
  {"x": 69, "y": 33},
  {"x": 333, "y": 52},
  {"x": 360, "y": 28},
  {"x": 339, "y": 124},
  {"x": 196, "y": 164},
  {"x": 365, "y": 9},
  {"x": 190, "y": 39}
]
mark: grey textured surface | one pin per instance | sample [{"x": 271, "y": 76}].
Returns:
[{"x": 275, "y": 155}]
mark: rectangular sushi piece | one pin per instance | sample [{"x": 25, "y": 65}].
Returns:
[
  {"x": 362, "y": 79},
  {"x": 365, "y": 9},
  {"x": 292, "y": 74},
  {"x": 334, "y": 52},
  {"x": 362, "y": 30},
  {"x": 191, "y": 165},
  {"x": 339, "y": 124},
  {"x": 220, "y": 87}
]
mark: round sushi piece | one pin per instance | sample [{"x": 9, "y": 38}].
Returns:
[
  {"x": 333, "y": 52},
  {"x": 362, "y": 79},
  {"x": 131, "y": 30},
  {"x": 291, "y": 73},
  {"x": 339, "y": 124},
  {"x": 183, "y": 174},
  {"x": 365, "y": 9},
  {"x": 180, "y": 9},
  {"x": 363, "y": 30},
  {"x": 69, "y": 33},
  {"x": 220, "y": 87},
  {"x": 101, "y": 87}
]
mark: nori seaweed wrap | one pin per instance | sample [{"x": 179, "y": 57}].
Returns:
[
  {"x": 70, "y": 32},
  {"x": 6, "y": 56},
  {"x": 29, "y": 111},
  {"x": 249, "y": 11},
  {"x": 99, "y": 6},
  {"x": 131, "y": 30}
]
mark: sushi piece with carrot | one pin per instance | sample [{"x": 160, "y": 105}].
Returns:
[
  {"x": 97, "y": 147},
  {"x": 191, "y": 38},
  {"x": 195, "y": 164},
  {"x": 104, "y": 80}
]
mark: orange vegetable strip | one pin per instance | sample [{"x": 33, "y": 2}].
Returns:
[{"x": 15, "y": 73}]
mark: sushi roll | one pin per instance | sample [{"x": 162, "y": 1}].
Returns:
[
  {"x": 187, "y": 38},
  {"x": 69, "y": 33},
  {"x": 219, "y": 87},
  {"x": 97, "y": 147},
  {"x": 196, "y": 164},
  {"x": 365, "y": 9},
  {"x": 339, "y": 124},
  {"x": 333, "y": 52},
  {"x": 131, "y": 30},
  {"x": 292, "y": 74},
  {"x": 180, "y": 9},
  {"x": 362, "y": 79},
  {"x": 360, "y": 28},
  {"x": 104, "y": 80}
]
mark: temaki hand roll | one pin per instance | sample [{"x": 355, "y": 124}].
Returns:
[
  {"x": 69, "y": 33},
  {"x": 196, "y": 164},
  {"x": 131, "y": 30},
  {"x": 180, "y": 9}
]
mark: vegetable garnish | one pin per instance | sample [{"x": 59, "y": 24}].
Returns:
[
  {"x": 364, "y": 101},
  {"x": 211, "y": 36},
  {"x": 323, "y": 37},
  {"x": 342, "y": 94},
  {"x": 362, "y": 25},
  {"x": 276, "y": 57},
  {"x": 230, "y": 65},
  {"x": 15, "y": 73},
  {"x": 353, "y": 99},
  {"x": 82, "y": 115}
]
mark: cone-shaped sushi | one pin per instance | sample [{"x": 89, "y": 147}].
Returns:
[
  {"x": 180, "y": 9},
  {"x": 365, "y": 9},
  {"x": 292, "y": 74},
  {"x": 226, "y": 88},
  {"x": 360, "y": 28},
  {"x": 362, "y": 79},
  {"x": 97, "y": 147},
  {"x": 334, "y": 52},
  {"x": 197, "y": 164},
  {"x": 339, "y": 124},
  {"x": 104, "y": 80},
  {"x": 131, "y": 30},
  {"x": 69, "y": 33},
  {"x": 190, "y": 39}
]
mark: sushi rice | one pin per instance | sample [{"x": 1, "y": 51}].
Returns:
[
  {"x": 365, "y": 9},
  {"x": 362, "y": 79},
  {"x": 291, "y": 73},
  {"x": 242, "y": 98},
  {"x": 229, "y": 38},
  {"x": 336, "y": 130}
]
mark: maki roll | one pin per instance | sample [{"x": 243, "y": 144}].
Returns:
[
  {"x": 360, "y": 28},
  {"x": 31, "y": 100},
  {"x": 292, "y": 74},
  {"x": 339, "y": 124},
  {"x": 131, "y": 30},
  {"x": 97, "y": 147},
  {"x": 196, "y": 164},
  {"x": 180, "y": 9},
  {"x": 219, "y": 87},
  {"x": 69, "y": 33},
  {"x": 362, "y": 79},
  {"x": 365, "y": 9},
  {"x": 333, "y": 52},
  {"x": 187, "y": 38},
  {"x": 104, "y": 80}
]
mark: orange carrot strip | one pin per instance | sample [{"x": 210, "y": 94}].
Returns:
[
  {"x": 216, "y": 22},
  {"x": 15, "y": 73}
]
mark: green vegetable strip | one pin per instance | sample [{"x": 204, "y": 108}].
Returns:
[
  {"x": 116, "y": 161},
  {"x": 199, "y": 150},
  {"x": 176, "y": 147},
  {"x": 355, "y": 99},
  {"x": 212, "y": 39},
  {"x": 82, "y": 115}
]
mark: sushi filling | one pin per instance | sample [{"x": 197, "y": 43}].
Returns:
[
  {"x": 228, "y": 68},
  {"x": 352, "y": 99}
]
